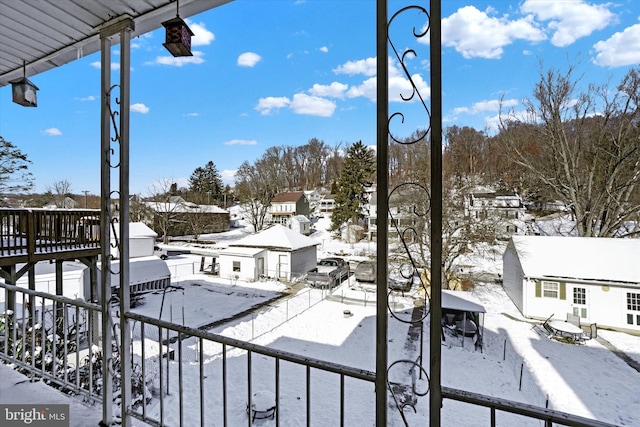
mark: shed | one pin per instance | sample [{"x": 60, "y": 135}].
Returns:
[
  {"x": 277, "y": 252},
  {"x": 142, "y": 240},
  {"x": 595, "y": 279},
  {"x": 301, "y": 224}
]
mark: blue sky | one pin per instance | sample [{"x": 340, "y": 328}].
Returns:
[{"x": 280, "y": 72}]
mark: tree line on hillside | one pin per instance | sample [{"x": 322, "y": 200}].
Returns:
[{"x": 581, "y": 148}]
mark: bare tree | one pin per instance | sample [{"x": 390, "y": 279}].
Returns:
[
  {"x": 165, "y": 205},
  {"x": 582, "y": 148},
  {"x": 60, "y": 190},
  {"x": 255, "y": 190}
]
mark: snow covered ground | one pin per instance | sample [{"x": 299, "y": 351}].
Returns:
[{"x": 515, "y": 363}]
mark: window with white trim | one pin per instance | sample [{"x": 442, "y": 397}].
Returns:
[
  {"x": 550, "y": 289},
  {"x": 236, "y": 265},
  {"x": 579, "y": 296},
  {"x": 633, "y": 304}
]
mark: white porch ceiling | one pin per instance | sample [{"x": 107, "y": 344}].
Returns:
[{"x": 50, "y": 33}]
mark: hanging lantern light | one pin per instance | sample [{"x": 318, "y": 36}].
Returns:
[
  {"x": 178, "y": 35},
  {"x": 24, "y": 91}
]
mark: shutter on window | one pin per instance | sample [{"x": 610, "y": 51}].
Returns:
[
  {"x": 563, "y": 290},
  {"x": 538, "y": 289}
]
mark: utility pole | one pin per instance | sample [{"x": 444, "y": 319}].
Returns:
[{"x": 85, "y": 197}]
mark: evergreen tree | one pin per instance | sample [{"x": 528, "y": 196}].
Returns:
[
  {"x": 205, "y": 184},
  {"x": 357, "y": 174},
  {"x": 14, "y": 174}
]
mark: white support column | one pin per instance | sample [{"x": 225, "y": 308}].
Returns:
[
  {"x": 125, "y": 332},
  {"x": 122, "y": 30},
  {"x": 105, "y": 216}
]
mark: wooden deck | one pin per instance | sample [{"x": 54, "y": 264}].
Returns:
[{"x": 32, "y": 235}]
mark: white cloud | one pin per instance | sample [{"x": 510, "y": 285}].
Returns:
[
  {"x": 473, "y": 33},
  {"x": 87, "y": 98},
  {"x": 324, "y": 49},
  {"x": 201, "y": 36},
  {"x": 266, "y": 105},
  {"x": 248, "y": 59},
  {"x": 192, "y": 114},
  {"x": 620, "y": 49},
  {"x": 367, "y": 89},
  {"x": 398, "y": 86},
  {"x": 139, "y": 108},
  {"x": 98, "y": 64},
  {"x": 181, "y": 60},
  {"x": 570, "y": 20},
  {"x": 228, "y": 175},
  {"x": 362, "y": 66},
  {"x": 334, "y": 90},
  {"x": 312, "y": 105},
  {"x": 487, "y": 106},
  {"x": 241, "y": 142},
  {"x": 52, "y": 132}
]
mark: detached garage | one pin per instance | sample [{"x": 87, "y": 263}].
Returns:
[
  {"x": 595, "y": 279},
  {"x": 277, "y": 252}
]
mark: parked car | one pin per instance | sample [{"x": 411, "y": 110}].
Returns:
[
  {"x": 400, "y": 283},
  {"x": 366, "y": 271},
  {"x": 160, "y": 252},
  {"x": 328, "y": 273}
]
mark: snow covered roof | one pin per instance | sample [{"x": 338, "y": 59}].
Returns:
[
  {"x": 584, "y": 258},
  {"x": 462, "y": 301},
  {"x": 245, "y": 252},
  {"x": 184, "y": 207},
  {"x": 141, "y": 270},
  {"x": 138, "y": 229},
  {"x": 277, "y": 237}
]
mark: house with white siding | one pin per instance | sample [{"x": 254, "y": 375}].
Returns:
[
  {"x": 276, "y": 252},
  {"x": 594, "y": 278}
]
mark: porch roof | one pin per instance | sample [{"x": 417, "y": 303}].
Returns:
[{"x": 48, "y": 34}]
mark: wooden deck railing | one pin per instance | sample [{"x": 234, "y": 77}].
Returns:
[{"x": 30, "y": 235}]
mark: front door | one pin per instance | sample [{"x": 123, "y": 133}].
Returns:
[
  {"x": 580, "y": 303},
  {"x": 282, "y": 266},
  {"x": 260, "y": 267}
]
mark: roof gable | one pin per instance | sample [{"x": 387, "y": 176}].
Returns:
[
  {"x": 287, "y": 197},
  {"x": 277, "y": 237},
  {"x": 582, "y": 258}
]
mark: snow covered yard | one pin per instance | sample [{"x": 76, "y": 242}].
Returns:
[{"x": 515, "y": 362}]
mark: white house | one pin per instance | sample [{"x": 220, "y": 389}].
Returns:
[
  {"x": 142, "y": 240},
  {"x": 327, "y": 204},
  {"x": 505, "y": 209},
  {"x": 284, "y": 206},
  {"x": 597, "y": 279},
  {"x": 277, "y": 252}
]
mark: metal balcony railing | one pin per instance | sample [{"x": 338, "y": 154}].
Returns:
[{"x": 186, "y": 376}]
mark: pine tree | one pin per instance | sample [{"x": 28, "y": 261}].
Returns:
[
  {"x": 14, "y": 174},
  {"x": 359, "y": 167},
  {"x": 205, "y": 184}
]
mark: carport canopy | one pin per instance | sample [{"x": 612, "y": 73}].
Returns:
[{"x": 461, "y": 301}]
